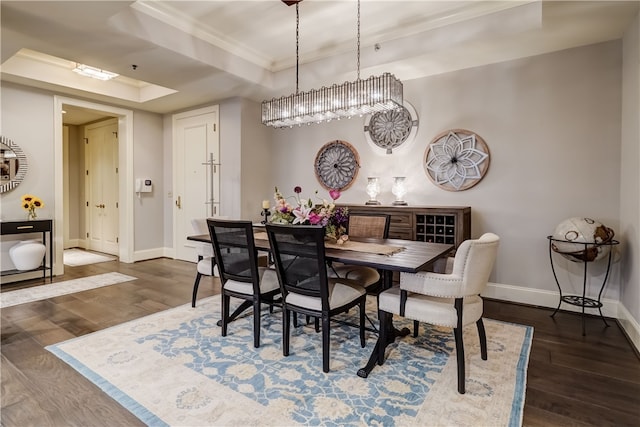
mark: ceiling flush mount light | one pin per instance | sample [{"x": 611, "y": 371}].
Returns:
[
  {"x": 382, "y": 93},
  {"x": 93, "y": 72}
]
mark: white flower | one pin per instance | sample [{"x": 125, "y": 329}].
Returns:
[{"x": 301, "y": 214}]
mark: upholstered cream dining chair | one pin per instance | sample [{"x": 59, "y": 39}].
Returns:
[{"x": 451, "y": 300}]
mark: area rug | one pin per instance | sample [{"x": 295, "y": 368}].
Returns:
[
  {"x": 36, "y": 293},
  {"x": 173, "y": 368},
  {"x": 76, "y": 257}
]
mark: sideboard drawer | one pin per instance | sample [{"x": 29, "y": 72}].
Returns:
[{"x": 19, "y": 227}]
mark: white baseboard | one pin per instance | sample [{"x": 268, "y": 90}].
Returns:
[
  {"x": 74, "y": 243},
  {"x": 630, "y": 326},
  {"x": 148, "y": 254},
  {"x": 544, "y": 298}
]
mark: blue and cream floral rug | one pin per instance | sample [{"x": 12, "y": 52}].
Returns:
[{"x": 174, "y": 368}]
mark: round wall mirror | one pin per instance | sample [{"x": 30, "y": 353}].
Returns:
[{"x": 13, "y": 164}]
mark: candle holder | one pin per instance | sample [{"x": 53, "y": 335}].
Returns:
[
  {"x": 373, "y": 188},
  {"x": 399, "y": 189},
  {"x": 265, "y": 213}
]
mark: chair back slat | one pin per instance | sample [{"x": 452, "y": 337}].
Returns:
[
  {"x": 298, "y": 252},
  {"x": 369, "y": 225},
  {"x": 235, "y": 250}
]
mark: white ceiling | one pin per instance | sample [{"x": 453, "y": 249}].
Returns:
[{"x": 206, "y": 51}]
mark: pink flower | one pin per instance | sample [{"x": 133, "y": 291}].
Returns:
[
  {"x": 315, "y": 219},
  {"x": 334, "y": 194}
]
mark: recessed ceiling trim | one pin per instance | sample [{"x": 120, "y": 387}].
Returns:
[
  {"x": 174, "y": 17},
  {"x": 38, "y": 66}
]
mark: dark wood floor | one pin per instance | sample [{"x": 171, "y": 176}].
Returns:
[{"x": 572, "y": 380}]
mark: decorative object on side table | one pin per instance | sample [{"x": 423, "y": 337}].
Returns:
[
  {"x": 583, "y": 240},
  {"x": 265, "y": 211},
  {"x": 305, "y": 212},
  {"x": 373, "y": 188},
  {"x": 399, "y": 189},
  {"x": 456, "y": 160},
  {"x": 27, "y": 254},
  {"x": 30, "y": 203}
]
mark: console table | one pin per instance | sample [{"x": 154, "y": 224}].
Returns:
[{"x": 44, "y": 226}]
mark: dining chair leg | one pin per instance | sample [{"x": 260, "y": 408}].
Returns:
[
  {"x": 460, "y": 358},
  {"x": 256, "y": 323},
  {"x": 483, "y": 339},
  {"x": 416, "y": 328},
  {"x": 286, "y": 320},
  {"x": 362, "y": 316},
  {"x": 195, "y": 289},
  {"x": 325, "y": 342},
  {"x": 457, "y": 332},
  {"x": 226, "y": 299}
]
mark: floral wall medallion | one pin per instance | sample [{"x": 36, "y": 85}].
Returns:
[
  {"x": 456, "y": 160},
  {"x": 388, "y": 130},
  {"x": 337, "y": 165}
]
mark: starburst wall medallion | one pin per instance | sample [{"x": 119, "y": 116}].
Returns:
[{"x": 456, "y": 160}]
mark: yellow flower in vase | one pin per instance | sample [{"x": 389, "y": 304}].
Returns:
[{"x": 29, "y": 204}]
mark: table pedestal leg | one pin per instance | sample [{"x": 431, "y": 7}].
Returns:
[{"x": 387, "y": 335}]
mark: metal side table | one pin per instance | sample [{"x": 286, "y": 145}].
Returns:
[{"x": 582, "y": 300}]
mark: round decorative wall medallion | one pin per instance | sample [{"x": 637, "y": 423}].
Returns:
[
  {"x": 337, "y": 165},
  {"x": 13, "y": 164},
  {"x": 456, "y": 160},
  {"x": 389, "y": 130}
]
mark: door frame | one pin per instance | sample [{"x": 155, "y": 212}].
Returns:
[{"x": 125, "y": 179}]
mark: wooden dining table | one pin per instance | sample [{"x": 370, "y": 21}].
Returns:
[{"x": 412, "y": 256}]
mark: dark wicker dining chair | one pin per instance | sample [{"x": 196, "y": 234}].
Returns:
[
  {"x": 241, "y": 277},
  {"x": 298, "y": 252}
]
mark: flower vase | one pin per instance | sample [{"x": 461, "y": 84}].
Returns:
[
  {"x": 31, "y": 215},
  {"x": 27, "y": 254}
]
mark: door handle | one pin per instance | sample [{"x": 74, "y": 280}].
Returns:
[{"x": 178, "y": 203}]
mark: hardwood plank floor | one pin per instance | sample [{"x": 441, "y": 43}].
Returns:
[{"x": 572, "y": 380}]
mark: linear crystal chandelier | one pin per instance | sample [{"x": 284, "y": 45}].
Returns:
[{"x": 348, "y": 99}]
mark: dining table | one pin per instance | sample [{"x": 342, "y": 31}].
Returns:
[{"x": 407, "y": 256}]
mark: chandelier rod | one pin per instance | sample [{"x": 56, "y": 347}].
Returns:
[
  {"x": 297, "y": 45},
  {"x": 358, "y": 62}
]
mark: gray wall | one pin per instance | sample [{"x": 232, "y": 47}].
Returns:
[{"x": 630, "y": 174}]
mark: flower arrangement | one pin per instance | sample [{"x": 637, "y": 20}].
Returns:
[
  {"x": 30, "y": 203},
  {"x": 304, "y": 211}
]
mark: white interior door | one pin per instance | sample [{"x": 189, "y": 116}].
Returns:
[
  {"x": 197, "y": 174},
  {"x": 102, "y": 186}
]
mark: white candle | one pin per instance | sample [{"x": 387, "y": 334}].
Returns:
[{"x": 265, "y": 204}]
